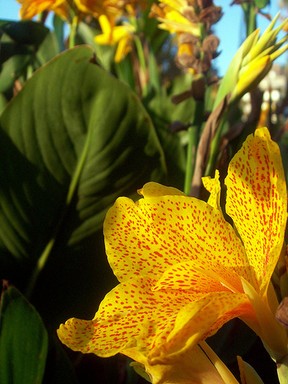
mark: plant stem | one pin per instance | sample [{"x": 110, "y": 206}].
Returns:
[
  {"x": 73, "y": 31},
  {"x": 39, "y": 266},
  {"x": 190, "y": 162},
  {"x": 193, "y": 139},
  {"x": 143, "y": 67},
  {"x": 214, "y": 149},
  {"x": 249, "y": 10}
]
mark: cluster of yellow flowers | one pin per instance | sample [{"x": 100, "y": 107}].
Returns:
[
  {"x": 108, "y": 12},
  {"x": 188, "y": 20}
]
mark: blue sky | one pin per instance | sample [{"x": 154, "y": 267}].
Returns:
[{"x": 229, "y": 29}]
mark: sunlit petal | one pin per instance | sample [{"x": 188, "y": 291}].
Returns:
[
  {"x": 189, "y": 368},
  {"x": 31, "y": 8},
  {"x": 201, "y": 277},
  {"x": 155, "y": 189},
  {"x": 198, "y": 320},
  {"x": 149, "y": 236},
  {"x": 213, "y": 186},
  {"x": 256, "y": 201},
  {"x": 247, "y": 373},
  {"x": 130, "y": 319}
]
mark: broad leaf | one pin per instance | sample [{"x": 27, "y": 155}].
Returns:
[
  {"x": 23, "y": 340},
  {"x": 73, "y": 140}
]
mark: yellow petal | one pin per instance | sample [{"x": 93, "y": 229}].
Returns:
[
  {"x": 257, "y": 203},
  {"x": 155, "y": 189},
  {"x": 201, "y": 277},
  {"x": 251, "y": 76},
  {"x": 193, "y": 367},
  {"x": 31, "y": 8},
  {"x": 149, "y": 236},
  {"x": 198, "y": 320},
  {"x": 112, "y": 34},
  {"x": 90, "y": 6},
  {"x": 132, "y": 319},
  {"x": 122, "y": 50},
  {"x": 265, "y": 325},
  {"x": 247, "y": 373},
  {"x": 105, "y": 24},
  {"x": 158, "y": 325},
  {"x": 218, "y": 364},
  {"x": 213, "y": 186}
]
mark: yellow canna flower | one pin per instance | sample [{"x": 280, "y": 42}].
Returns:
[
  {"x": 110, "y": 8},
  {"x": 112, "y": 35},
  {"x": 184, "y": 270},
  {"x": 31, "y": 8},
  {"x": 90, "y": 6}
]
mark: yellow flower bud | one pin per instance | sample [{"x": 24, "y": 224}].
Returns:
[{"x": 251, "y": 76}]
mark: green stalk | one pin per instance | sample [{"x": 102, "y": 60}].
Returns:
[
  {"x": 142, "y": 62},
  {"x": 214, "y": 149},
  {"x": 249, "y": 10},
  {"x": 73, "y": 31},
  {"x": 193, "y": 139},
  {"x": 39, "y": 267},
  {"x": 190, "y": 162}
]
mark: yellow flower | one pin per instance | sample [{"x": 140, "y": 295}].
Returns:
[
  {"x": 31, "y": 8},
  {"x": 184, "y": 270},
  {"x": 110, "y": 8},
  {"x": 176, "y": 16},
  {"x": 112, "y": 35}
]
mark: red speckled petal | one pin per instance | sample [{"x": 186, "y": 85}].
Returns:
[
  {"x": 128, "y": 320},
  {"x": 204, "y": 277},
  {"x": 134, "y": 320},
  {"x": 147, "y": 237},
  {"x": 256, "y": 201},
  {"x": 199, "y": 320}
]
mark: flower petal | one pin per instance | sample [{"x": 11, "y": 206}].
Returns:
[
  {"x": 155, "y": 189},
  {"x": 247, "y": 373},
  {"x": 147, "y": 237},
  {"x": 202, "y": 278},
  {"x": 193, "y": 367},
  {"x": 257, "y": 202},
  {"x": 131, "y": 319},
  {"x": 213, "y": 186},
  {"x": 31, "y": 8},
  {"x": 199, "y": 320}
]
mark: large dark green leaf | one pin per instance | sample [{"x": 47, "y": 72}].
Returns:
[
  {"x": 23, "y": 340},
  {"x": 73, "y": 140}
]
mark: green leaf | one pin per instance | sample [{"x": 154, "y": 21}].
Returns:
[
  {"x": 25, "y": 31},
  {"x": 104, "y": 53},
  {"x": 72, "y": 141},
  {"x": 25, "y": 46},
  {"x": 12, "y": 69},
  {"x": 23, "y": 340}
]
